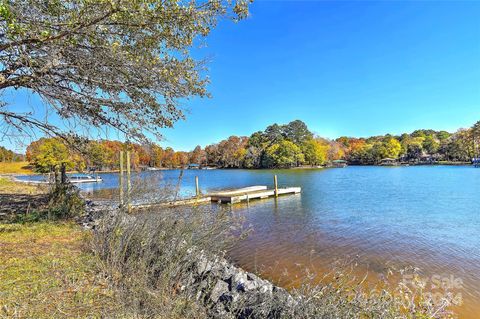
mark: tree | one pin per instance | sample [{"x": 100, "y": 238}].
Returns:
[
  {"x": 232, "y": 151},
  {"x": 212, "y": 154},
  {"x": 283, "y": 155},
  {"x": 255, "y": 150},
  {"x": 443, "y": 135},
  {"x": 274, "y": 134},
  {"x": 476, "y": 138},
  {"x": 388, "y": 148},
  {"x": 97, "y": 154},
  {"x": 197, "y": 156},
  {"x": 157, "y": 155},
  {"x": 358, "y": 151},
  {"x": 315, "y": 153},
  {"x": 119, "y": 63},
  {"x": 460, "y": 146},
  {"x": 335, "y": 150},
  {"x": 414, "y": 149},
  {"x": 8, "y": 155},
  {"x": 179, "y": 159},
  {"x": 168, "y": 160},
  {"x": 430, "y": 144},
  {"x": 392, "y": 148},
  {"x": 297, "y": 132},
  {"x": 49, "y": 154},
  {"x": 253, "y": 157},
  {"x": 112, "y": 148}
]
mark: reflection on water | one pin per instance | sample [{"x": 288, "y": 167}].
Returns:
[{"x": 424, "y": 216}]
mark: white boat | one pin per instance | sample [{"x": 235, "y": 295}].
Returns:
[{"x": 83, "y": 178}]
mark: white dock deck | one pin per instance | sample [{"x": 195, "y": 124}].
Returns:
[{"x": 250, "y": 193}]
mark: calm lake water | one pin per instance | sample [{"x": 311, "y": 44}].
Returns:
[{"x": 422, "y": 216}]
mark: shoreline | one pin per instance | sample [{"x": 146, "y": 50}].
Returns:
[{"x": 14, "y": 175}]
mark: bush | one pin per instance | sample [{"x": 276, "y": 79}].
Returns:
[
  {"x": 63, "y": 201},
  {"x": 148, "y": 256}
]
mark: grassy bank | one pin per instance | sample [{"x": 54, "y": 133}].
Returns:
[
  {"x": 46, "y": 273},
  {"x": 15, "y": 168},
  {"x": 9, "y": 186}
]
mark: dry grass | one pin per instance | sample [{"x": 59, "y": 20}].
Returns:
[
  {"x": 15, "y": 168},
  {"x": 9, "y": 186},
  {"x": 47, "y": 274},
  {"x": 147, "y": 257}
]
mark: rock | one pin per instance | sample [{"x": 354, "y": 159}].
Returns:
[
  {"x": 266, "y": 288},
  {"x": 238, "y": 281},
  {"x": 220, "y": 288},
  {"x": 203, "y": 265},
  {"x": 251, "y": 276}
]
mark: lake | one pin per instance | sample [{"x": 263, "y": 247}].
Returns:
[{"x": 425, "y": 216}]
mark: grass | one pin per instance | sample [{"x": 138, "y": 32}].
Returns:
[
  {"x": 46, "y": 273},
  {"x": 9, "y": 186},
  {"x": 15, "y": 168}
]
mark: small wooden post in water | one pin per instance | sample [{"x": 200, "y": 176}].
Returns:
[
  {"x": 129, "y": 182},
  {"x": 197, "y": 188},
  {"x": 120, "y": 179},
  {"x": 275, "y": 182}
]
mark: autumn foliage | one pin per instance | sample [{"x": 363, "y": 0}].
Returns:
[{"x": 278, "y": 146}]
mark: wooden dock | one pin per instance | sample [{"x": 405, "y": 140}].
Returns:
[
  {"x": 251, "y": 193},
  {"x": 225, "y": 197}
]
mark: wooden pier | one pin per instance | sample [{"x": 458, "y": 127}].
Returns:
[
  {"x": 225, "y": 197},
  {"x": 251, "y": 193},
  {"x": 233, "y": 196}
]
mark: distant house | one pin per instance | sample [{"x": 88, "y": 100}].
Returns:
[
  {"x": 427, "y": 159},
  {"x": 193, "y": 166},
  {"x": 339, "y": 163},
  {"x": 388, "y": 162}
]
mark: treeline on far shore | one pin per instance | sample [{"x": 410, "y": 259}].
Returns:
[
  {"x": 7, "y": 155},
  {"x": 278, "y": 146}
]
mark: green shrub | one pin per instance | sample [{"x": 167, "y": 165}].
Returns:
[{"x": 63, "y": 202}]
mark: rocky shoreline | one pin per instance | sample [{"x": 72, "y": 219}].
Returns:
[
  {"x": 225, "y": 290},
  {"x": 230, "y": 292}
]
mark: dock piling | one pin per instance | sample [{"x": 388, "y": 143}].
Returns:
[
  {"x": 275, "y": 182},
  {"x": 197, "y": 187},
  {"x": 120, "y": 179}
]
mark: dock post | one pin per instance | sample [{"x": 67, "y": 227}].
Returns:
[
  {"x": 129, "y": 182},
  {"x": 120, "y": 179},
  {"x": 275, "y": 182},
  {"x": 197, "y": 188}
]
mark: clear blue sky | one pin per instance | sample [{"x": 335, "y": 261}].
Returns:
[{"x": 345, "y": 68}]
